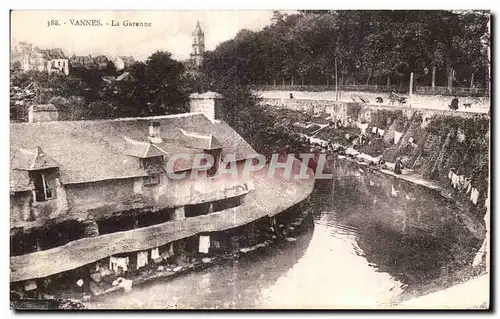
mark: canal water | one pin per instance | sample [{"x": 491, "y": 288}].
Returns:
[{"x": 377, "y": 240}]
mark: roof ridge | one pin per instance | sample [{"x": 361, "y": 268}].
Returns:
[{"x": 146, "y": 118}]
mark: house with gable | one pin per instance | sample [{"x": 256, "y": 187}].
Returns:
[{"x": 93, "y": 198}]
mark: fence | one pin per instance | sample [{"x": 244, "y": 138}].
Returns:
[{"x": 423, "y": 90}]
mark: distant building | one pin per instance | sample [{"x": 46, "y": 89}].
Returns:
[
  {"x": 89, "y": 62},
  {"x": 101, "y": 61},
  {"x": 198, "y": 46},
  {"x": 32, "y": 58}
]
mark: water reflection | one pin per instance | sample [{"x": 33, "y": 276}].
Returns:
[
  {"x": 406, "y": 230},
  {"x": 376, "y": 239},
  {"x": 234, "y": 284}
]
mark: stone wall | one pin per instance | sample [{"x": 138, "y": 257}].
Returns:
[{"x": 430, "y": 142}]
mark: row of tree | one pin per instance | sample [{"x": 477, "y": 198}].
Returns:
[{"x": 366, "y": 47}]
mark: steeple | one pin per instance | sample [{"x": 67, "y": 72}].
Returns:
[
  {"x": 198, "y": 45},
  {"x": 197, "y": 31}
]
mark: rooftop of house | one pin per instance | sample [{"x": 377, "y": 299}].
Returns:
[
  {"x": 87, "y": 151},
  {"x": 52, "y": 54},
  {"x": 43, "y": 108},
  {"x": 206, "y": 95}
]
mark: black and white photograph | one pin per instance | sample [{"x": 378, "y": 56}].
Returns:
[{"x": 250, "y": 159}]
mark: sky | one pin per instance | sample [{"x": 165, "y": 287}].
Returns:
[{"x": 170, "y": 30}]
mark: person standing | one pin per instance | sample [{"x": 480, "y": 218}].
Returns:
[
  {"x": 398, "y": 168},
  {"x": 454, "y": 103}
]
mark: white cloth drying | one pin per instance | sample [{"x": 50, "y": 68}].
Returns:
[
  {"x": 204, "y": 244},
  {"x": 381, "y": 132},
  {"x": 155, "y": 253},
  {"x": 454, "y": 180},
  {"x": 393, "y": 191},
  {"x": 116, "y": 262},
  {"x": 374, "y": 130},
  {"x": 142, "y": 259},
  {"x": 397, "y": 137},
  {"x": 469, "y": 188},
  {"x": 450, "y": 174},
  {"x": 474, "y": 195}
]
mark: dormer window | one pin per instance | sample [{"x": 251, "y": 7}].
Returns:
[
  {"x": 44, "y": 184},
  {"x": 43, "y": 171},
  {"x": 153, "y": 166},
  {"x": 152, "y": 179}
]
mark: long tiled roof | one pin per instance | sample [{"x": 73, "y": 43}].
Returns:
[{"x": 97, "y": 150}]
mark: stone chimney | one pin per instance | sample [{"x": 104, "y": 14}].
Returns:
[
  {"x": 42, "y": 113},
  {"x": 154, "y": 132},
  {"x": 208, "y": 103}
]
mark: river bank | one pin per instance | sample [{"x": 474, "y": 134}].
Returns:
[
  {"x": 368, "y": 249},
  {"x": 247, "y": 239},
  {"x": 472, "y": 294},
  {"x": 446, "y": 152},
  {"x": 429, "y": 147}
]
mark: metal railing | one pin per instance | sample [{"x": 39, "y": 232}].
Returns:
[{"x": 422, "y": 90}]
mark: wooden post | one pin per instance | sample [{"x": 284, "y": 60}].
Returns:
[
  {"x": 433, "y": 77},
  {"x": 292, "y": 79},
  {"x": 336, "y": 82},
  {"x": 411, "y": 86},
  {"x": 472, "y": 80},
  {"x": 388, "y": 81},
  {"x": 327, "y": 79},
  {"x": 274, "y": 82},
  {"x": 450, "y": 79}
]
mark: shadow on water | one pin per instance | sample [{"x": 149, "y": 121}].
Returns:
[
  {"x": 232, "y": 284},
  {"x": 376, "y": 239},
  {"x": 405, "y": 230}
]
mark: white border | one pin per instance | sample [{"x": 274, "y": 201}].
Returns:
[{"x": 185, "y": 5}]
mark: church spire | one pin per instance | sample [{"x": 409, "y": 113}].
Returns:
[
  {"x": 198, "y": 45},
  {"x": 197, "y": 30}
]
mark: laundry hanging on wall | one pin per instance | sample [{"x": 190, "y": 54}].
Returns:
[
  {"x": 469, "y": 188},
  {"x": 155, "y": 253},
  {"x": 374, "y": 130},
  {"x": 454, "y": 180},
  {"x": 381, "y": 132},
  {"x": 474, "y": 195},
  {"x": 204, "y": 244},
  {"x": 397, "y": 137},
  {"x": 393, "y": 191},
  {"x": 115, "y": 263},
  {"x": 142, "y": 259}
]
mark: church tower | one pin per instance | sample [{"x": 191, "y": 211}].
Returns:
[{"x": 198, "y": 45}]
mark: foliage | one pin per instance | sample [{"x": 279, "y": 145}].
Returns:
[
  {"x": 154, "y": 87},
  {"x": 367, "y": 46}
]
